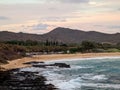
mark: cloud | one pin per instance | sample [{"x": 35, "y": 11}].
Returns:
[
  {"x": 53, "y": 19},
  {"x": 40, "y": 26},
  {"x": 74, "y": 1},
  {"x": 3, "y": 18},
  {"x": 40, "y": 1},
  {"x": 118, "y": 9},
  {"x": 109, "y": 26},
  {"x": 41, "y": 14},
  {"x": 98, "y": 25},
  {"x": 114, "y": 27},
  {"x": 20, "y": 1},
  {"x": 67, "y": 1}
]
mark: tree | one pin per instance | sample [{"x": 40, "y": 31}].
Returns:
[
  {"x": 107, "y": 45},
  {"x": 87, "y": 46},
  {"x": 118, "y": 46}
]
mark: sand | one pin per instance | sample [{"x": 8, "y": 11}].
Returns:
[{"x": 19, "y": 62}]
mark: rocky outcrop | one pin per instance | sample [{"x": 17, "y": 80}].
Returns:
[
  {"x": 33, "y": 62},
  {"x": 15, "y": 80},
  {"x": 60, "y": 65}
]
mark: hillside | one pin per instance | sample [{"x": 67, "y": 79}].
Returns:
[{"x": 62, "y": 35}]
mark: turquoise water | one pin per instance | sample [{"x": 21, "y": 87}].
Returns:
[{"x": 85, "y": 74}]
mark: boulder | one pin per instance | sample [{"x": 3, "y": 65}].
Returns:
[
  {"x": 62, "y": 65},
  {"x": 33, "y": 62}
]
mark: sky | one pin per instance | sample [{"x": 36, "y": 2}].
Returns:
[{"x": 42, "y": 16}]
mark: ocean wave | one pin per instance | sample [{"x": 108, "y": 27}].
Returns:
[
  {"x": 77, "y": 83},
  {"x": 68, "y": 85},
  {"x": 94, "y": 77},
  {"x": 80, "y": 67},
  {"x": 51, "y": 75},
  {"x": 73, "y": 79},
  {"x": 63, "y": 83},
  {"x": 77, "y": 59},
  {"x": 101, "y": 85},
  {"x": 32, "y": 69}
]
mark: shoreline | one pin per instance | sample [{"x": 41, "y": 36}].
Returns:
[{"x": 18, "y": 63}]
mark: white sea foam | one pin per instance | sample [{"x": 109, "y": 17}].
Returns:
[
  {"x": 63, "y": 83},
  {"x": 94, "y": 77},
  {"x": 32, "y": 69},
  {"x": 99, "y": 77},
  {"x": 77, "y": 59},
  {"x": 77, "y": 83},
  {"x": 100, "y": 85},
  {"x": 66, "y": 82},
  {"x": 52, "y": 77},
  {"x": 72, "y": 84},
  {"x": 79, "y": 67},
  {"x": 68, "y": 85}
]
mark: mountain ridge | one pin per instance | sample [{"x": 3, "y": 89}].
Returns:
[{"x": 61, "y": 34}]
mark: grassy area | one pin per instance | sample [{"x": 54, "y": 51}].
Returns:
[
  {"x": 113, "y": 50},
  {"x": 10, "y": 52}
]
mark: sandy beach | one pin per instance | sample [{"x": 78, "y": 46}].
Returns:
[{"x": 19, "y": 62}]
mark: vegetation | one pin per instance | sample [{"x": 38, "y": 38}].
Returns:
[{"x": 10, "y": 50}]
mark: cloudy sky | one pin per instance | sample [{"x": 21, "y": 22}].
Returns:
[{"x": 41, "y": 16}]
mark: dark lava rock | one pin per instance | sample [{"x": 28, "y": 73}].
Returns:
[
  {"x": 23, "y": 81},
  {"x": 40, "y": 66},
  {"x": 33, "y": 62},
  {"x": 62, "y": 65},
  {"x": 4, "y": 75}
]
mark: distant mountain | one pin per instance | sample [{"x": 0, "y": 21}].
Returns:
[
  {"x": 7, "y": 36},
  {"x": 63, "y": 35}
]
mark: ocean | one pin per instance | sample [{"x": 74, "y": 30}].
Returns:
[{"x": 100, "y": 73}]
